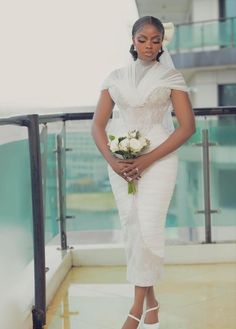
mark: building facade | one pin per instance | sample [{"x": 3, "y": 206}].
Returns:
[{"x": 204, "y": 46}]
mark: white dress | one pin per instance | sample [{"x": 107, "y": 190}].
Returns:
[{"x": 141, "y": 92}]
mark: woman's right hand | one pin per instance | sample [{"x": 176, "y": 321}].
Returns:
[{"x": 119, "y": 166}]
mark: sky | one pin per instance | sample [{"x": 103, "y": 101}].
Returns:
[{"x": 56, "y": 53}]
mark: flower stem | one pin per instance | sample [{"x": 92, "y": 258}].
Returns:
[{"x": 131, "y": 188}]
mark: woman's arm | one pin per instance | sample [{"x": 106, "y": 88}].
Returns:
[
  {"x": 186, "y": 128},
  {"x": 100, "y": 119}
]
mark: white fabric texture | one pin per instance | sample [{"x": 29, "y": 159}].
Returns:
[
  {"x": 141, "y": 92},
  {"x": 167, "y": 61}
]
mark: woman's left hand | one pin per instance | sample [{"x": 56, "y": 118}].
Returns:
[{"x": 139, "y": 164}]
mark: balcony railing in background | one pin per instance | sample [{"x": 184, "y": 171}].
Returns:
[
  {"x": 54, "y": 180},
  {"x": 21, "y": 214},
  {"x": 206, "y": 35}
]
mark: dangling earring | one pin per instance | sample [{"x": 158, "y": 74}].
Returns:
[{"x": 135, "y": 48}]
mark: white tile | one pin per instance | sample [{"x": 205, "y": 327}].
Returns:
[
  {"x": 191, "y": 297},
  {"x": 98, "y": 290}
]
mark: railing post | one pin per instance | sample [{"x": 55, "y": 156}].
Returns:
[
  {"x": 62, "y": 210},
  {"x": 202, "y": 36},
  {"x": 39, "y": 309},
  {"x": 206, "y": 181},
  {"x": 232, "y": 36},
  {"x": 177, "y": 39}
]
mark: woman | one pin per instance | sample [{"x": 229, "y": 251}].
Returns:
[{"x": 144, "y": 92}]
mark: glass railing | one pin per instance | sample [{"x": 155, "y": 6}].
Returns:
[
  {"x": 55, "y": 189},
  {"x": 188, "y": 203},
  {"x": 90, "y": 200},
  {"x": 48, "y": 142},
  {"x": 89, "y": 197},
  {"x": 204, "y": 35},
  {"x": 21, "y": 222},
  {"x": 16, "y": 225}
]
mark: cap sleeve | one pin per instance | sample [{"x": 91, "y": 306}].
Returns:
[
  {"x": 175, "y": 80},
  {"x": 107, "y": 82}
]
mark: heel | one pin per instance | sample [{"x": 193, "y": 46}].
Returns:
[{"x": 152, "y": 325}]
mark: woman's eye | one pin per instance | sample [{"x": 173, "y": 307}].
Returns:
[{"x": 154, "y": 41}]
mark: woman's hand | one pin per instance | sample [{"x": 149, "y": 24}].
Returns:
[
  {"x": 135, "y": 168},
  {"x": 122, "y": 167}
]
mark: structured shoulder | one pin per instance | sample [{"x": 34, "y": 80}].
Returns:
[
  {"x": 118, "y": 73},
  {"x": 112, "y": 77},
  {"x": 170, "y": 72},
  {"x": 173, "y": 78}
]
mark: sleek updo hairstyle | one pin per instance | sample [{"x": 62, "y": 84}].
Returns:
[{"x": 139, "y": 24}]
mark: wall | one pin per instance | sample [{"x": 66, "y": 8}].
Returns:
[
  {"x": 57, "y": 53},
  {"x": 204, "y": 10},
  {"x": 205, "y": 85}
]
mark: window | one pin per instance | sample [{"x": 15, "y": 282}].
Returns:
[
  {"x": 227, "y": 95},
  {"x": 227, "y": 8},
  {"x": 227, "y": 183}
]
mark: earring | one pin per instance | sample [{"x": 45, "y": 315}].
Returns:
[{"x": 135, "y": 48}]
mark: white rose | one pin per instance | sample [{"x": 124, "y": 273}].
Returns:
[
  {"x": 114, "y": 146},
  {"x": 132, "y": 134},
  {"x": 142, "y": 141},
  {"x": 124, "y": 145},
  {"x": 135, "y": 145}
]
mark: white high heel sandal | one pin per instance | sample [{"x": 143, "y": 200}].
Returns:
[
  {"x": 152, "y": 325},
  {"x": 137, "y": 319}
]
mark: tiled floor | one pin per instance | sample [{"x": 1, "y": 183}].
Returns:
[{"x": 191, "y": 297}]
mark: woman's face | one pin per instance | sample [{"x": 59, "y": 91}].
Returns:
[{"x": 148, "y": 42}]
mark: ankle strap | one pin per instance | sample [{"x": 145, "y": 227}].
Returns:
[
  {"x": 153, "y": 308},
  {"x": 134, "y": 317}
]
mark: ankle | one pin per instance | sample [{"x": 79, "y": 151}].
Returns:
[
  {"x": 151, "y": 303},
  {"x": 136, "y": 311}
]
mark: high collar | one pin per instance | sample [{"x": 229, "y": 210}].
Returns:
[{"x": 145, "y": 63}]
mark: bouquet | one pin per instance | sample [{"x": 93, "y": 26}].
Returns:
[{"x": 128, "y": 146}]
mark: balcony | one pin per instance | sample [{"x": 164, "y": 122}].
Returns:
[
  {"x": 204, "y": 44},
  {"x": 57, "y": 209}
]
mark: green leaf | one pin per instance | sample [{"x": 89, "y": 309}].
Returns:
[{"x": 121, "y": 139}]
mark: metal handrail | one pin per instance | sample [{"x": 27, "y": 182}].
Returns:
[{"x": 47, "y": 118}]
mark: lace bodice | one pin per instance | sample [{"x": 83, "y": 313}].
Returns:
[
  {"x": 150, "y": 112},
  {"x": 142, "y": 95}
]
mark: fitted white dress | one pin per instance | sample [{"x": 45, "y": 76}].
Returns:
[{"x": 141, "y": 92}]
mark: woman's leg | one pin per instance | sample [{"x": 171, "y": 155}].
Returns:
[
  {"x": 151, "y": 301},
  {"x": 137, "y": 308}
]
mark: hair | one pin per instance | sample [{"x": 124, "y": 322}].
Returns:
[{"x": 140, "y": 24}]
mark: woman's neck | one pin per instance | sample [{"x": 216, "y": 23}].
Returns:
[{"x": 145, "y": 62}]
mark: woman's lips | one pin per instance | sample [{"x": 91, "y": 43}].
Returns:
[{"x": 148, "y": 53}]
